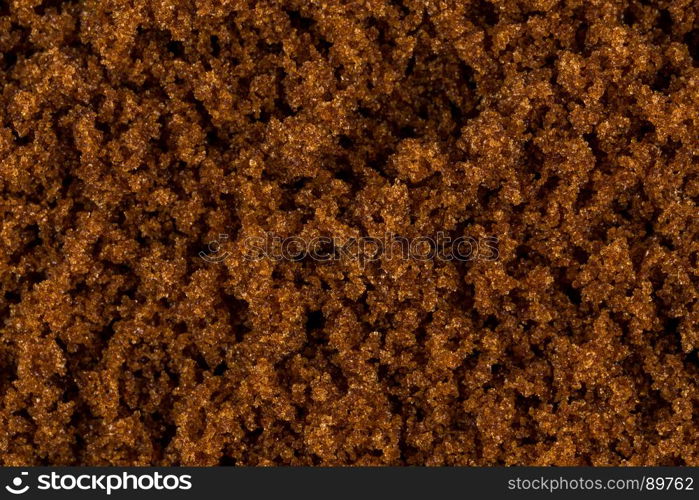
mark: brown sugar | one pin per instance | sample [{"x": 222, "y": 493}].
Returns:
[{"x": 133, "y": 136}]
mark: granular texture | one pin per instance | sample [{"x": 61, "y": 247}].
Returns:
[{"x": 135, "y": 132}]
